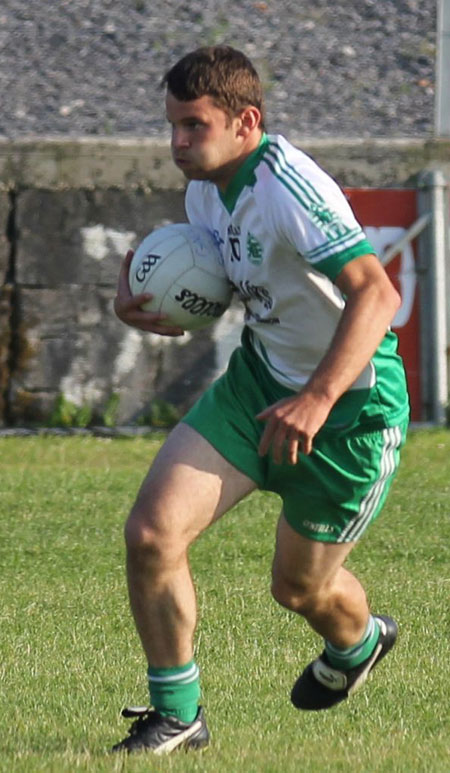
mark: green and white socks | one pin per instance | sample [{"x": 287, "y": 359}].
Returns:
[
  {"x": 175, "y": 691},
  {"x": 345, "y": 659}
]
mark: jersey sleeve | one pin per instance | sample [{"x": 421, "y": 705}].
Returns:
[{"x": 310, "y": 212}]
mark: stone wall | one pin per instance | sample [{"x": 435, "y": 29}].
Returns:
[
  {"x": 69, "y": 210},
  {"x": 63, "y": 335},
  {"x": 5, "y": 299}
]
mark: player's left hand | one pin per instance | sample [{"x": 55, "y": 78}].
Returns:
[
  {"x": 128, "y": 308},
  {"x": 291, "y": 425}
]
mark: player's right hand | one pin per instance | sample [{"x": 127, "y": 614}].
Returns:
[{"x": 128, "y": 307}]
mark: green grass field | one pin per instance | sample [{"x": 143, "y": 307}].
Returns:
[{"x": 70, "y": 658}]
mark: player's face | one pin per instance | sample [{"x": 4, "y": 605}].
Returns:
[{"x": 206, "y": 143}]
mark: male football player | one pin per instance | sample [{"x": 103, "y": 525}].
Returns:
[{"x": 313, "y": 405}]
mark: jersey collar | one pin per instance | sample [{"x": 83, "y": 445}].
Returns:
[{"x": 245, "y": 175}]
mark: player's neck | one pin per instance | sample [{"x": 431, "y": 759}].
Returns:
[{"x": 228, "y": 172}]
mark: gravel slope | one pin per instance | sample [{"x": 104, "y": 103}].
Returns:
[{"x": 357, "y": 68}]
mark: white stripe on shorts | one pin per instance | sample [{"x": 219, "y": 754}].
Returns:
[{"x": 355, "y": 527}]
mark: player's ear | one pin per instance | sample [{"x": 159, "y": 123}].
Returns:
[{"x": 250, "y": 119}]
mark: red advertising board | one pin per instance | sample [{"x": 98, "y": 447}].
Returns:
[{"x": 385, "y": 216}]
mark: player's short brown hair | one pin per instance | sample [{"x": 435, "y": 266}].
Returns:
[{"x": 220, "y": 72}]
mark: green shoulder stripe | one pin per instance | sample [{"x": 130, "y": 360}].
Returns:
[
  {"x": 286, "y": 168},
  {"x": 289, "y": 184},
  {"x": 339, "y": 236}
]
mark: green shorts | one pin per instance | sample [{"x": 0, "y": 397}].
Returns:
[{"x": 330, "y": 495}]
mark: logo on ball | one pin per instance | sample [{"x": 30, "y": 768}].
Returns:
[
  {"x": 195, "y": 304},
  {"x": 146, "y": 266}
]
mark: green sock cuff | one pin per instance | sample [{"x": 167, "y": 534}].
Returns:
[
  {"x": 175, "y": 691},
  {"x": 171, "y": 671},
  {"x": 351, "y": 657}
]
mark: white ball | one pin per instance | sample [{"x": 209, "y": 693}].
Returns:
[{"x": 181, "y": 266}]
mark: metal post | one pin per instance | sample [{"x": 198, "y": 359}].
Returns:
[
  {"x": 433, "y": 255},
  {"x": 442, "y": 120}
]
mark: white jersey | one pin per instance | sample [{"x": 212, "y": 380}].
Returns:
[{"x": 285, "y": 230}]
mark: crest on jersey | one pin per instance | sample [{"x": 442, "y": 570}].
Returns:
[{"x": 254, "y": 250}]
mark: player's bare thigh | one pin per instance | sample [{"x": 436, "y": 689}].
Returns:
[{"x": 188, "y": 486}]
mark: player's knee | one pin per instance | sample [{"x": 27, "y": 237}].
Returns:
[
  {"x": 139, "y": 536},
  {"x": 149, "y": 545},
  {"x": 301, "y": 596}
]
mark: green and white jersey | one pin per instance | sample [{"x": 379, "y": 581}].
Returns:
[{"x": 285, "y": 230}]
